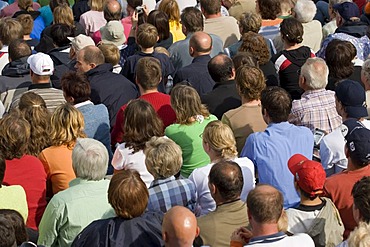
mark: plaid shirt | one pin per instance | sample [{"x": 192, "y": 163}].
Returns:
[
  {"x": 316, "y": 109},
  {"x": 167, "y": 193}
]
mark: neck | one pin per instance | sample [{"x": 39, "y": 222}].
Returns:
[
  {"x": 248, "y": 102},
  {"x": 41, "y": 82},
  {"x": 214, "y": 158},
  {"x": 148, "y": 50},
  {"x": 307, "y": 202},
  {"x": 289, "y": 47},
  {"x": 221, "y": 202},
  {"x": 26, "y": 37},
  {"x": 265, "y": 229},
  {"x": 212, "y": 15},
  {"x": 143, "y": 92}
]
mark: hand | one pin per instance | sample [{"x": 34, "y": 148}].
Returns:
[
  {"x": 242, "y": 235},
  {"x": 134, "y": 18},
  {"x": 146, "y": 10}
]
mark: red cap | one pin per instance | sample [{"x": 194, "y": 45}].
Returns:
[{"x": 309, "y": 174}]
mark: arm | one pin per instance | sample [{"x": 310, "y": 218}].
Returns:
[{"x": 50, "y": 225}]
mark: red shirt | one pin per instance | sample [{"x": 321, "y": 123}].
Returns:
[{"x": 29, "y": 172}]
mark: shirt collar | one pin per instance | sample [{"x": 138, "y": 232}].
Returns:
[
  {"x": 78, "y": 181},
  {"x": 312, "y": 92},
  {"x": 268, "y": 239},
  {"x": 160, "y": 181},
  {"x": 40, "y": 86},
  {"x": 87, "y": 102}
]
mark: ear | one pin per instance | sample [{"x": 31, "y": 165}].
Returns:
[
  {"x": 197, "y": 231},
  {"x": 164, "y": 236},
  {"x": 212, "y": 188},
  {"x": 92, "y": 65},
  {"x": 233, "y": 73}
]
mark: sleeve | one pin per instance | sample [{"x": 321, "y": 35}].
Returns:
[
  {"x": 83, "y": 24},
  {"x": 45, "y": 163},
  {"x": 326, "y": 155},
  {"x": 50, "y": 225},
  {"x": 294, "y": 116},
  {"x": 248, "y": 149},
  {"x": 117, "y": 132},
  {"x": 119, "y": 157},
  {"x": 226, "y": 120}
]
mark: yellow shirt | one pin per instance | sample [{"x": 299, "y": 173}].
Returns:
[{"x": 176, "y": 30}]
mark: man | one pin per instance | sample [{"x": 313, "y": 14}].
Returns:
[
  {"x": 225, "y": 184},
  {"x": 350, "y": 28},
  {"x": 41, "y": 68},
  {"x": 226, "y": 27},
  {"x": 337, "y": 187},
  {"x": 270, "y": 150},
  {"x": 224, "y": 95},
  {"x": 316, "y": 108},
  {"x": 192, "y": 21},
  {"x": 265, "y": 207},
  {"x": 112, "y": 90},
  {"x": 179, "y": 227},
  {"x": 147, "y": 79},
  {"x": 78, "y": 43},
  {"x": 71, "y": 210},
  {"x": 196, "y": 73},
  {"x": 237, "y": 7}
]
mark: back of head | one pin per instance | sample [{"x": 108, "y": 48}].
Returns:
[
  {"x": 255, "y": 44},
  {"x": 268, "y": 9},
  {"x": 250, "y": 21},
  {"x": 77, "y": 86},
  {"x": 26, "y": 21},
  {"x": 134, "y": 3},
  {"x": 315, "y": 72},
  {"x": 63, "y": 14},
  {"x": 265, "y": 204},
  {"x": 361, "y": 198},
  {"x": 200, "y": 43},
  {"x": 111, "y": 53},
  {"x": 55, "y": 3},
  {"x": 305, "y": 10},
  {"x": 159, "y": 19},
  {"x": 171, "y": 8},
  {"x": 210, "y": 7},
  {"x": 10, "y": 29},
  {"x": 112, "y": 10},
  {"x": 149, "y": 73},
  {"x": 221, "y": 68},
  {"x": 146, "y": 35},
  {"x": 291, "y": 31},
  {"x": 7, "y": 233},
  {"x": 360, "y": 237},
  {"x": 96, "y": 5},
  {"x": 277, "y": 102},
  {"x": 17, "y": 221},
  {"x": 128, "y": 194},
  {"x": 250, "y": 82},
  {"x": 227, "y": 177},
  {"x": 192, "y": 19},
  {"x": 19, "y": 48},
  {"x": 92, "y": 55},
  {"x": 244, "y": 58},
  {"x": 60, "y": 33},
  {"x": 25, "y": 5},
  {"x": 338, "y": 56}
]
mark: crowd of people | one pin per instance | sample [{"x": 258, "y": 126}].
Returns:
[{"x": 184, "y": 123}]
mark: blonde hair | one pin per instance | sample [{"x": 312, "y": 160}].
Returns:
[
  {"x": 25, "y": 5},
  {"x": 360, "y": 237},
  {"x": 67, "y": 124},
  {"x": 96, "y": 5},
  {"x": 10, "y": 29},
  {"x": 26, "y": 21},
  {"x": 220, "y": 139},
  {"x": 63, "y": 15},
  {"x": 171, "y": 8},
  {"x": 163, "y": 157},
  {"x": 111, "y": 53}
]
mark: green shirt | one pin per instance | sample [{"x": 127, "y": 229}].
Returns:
[{"x": 14, "y": 197}]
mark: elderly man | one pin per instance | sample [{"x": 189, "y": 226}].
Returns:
[
  {"x": 316, "y": 108},
  {"x": 84, "y": 201}
]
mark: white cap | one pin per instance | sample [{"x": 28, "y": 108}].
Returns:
[
  {"x": 41, "y": 64},
  {"x": 81, "y": 41}
]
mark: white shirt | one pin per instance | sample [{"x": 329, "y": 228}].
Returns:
[{"x": 4, "y": 58}]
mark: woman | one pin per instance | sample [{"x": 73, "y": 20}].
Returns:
[
  {"x": 291, "y": 59},
  {"x": 94, "y": 19},
  {"x": 159, "y": 19},
  {"x": 33, "y": 109},
  {"x": 269, "y": 11},
  {"x": 141, "y": 123},
  {"x": 192, "y": 118},
  {"x": 130, "y": 9},
  {"x": 171, "y": 8},
  {"x": 219, "y": 144},
  {"x": 67, "y": 124}
]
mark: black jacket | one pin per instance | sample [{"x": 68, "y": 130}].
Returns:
[
  {"x": 354, "y": 28},
  {"x": 15, "y": 74}
]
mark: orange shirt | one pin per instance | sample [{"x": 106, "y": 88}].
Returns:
[{"x": 266, "y": 23}]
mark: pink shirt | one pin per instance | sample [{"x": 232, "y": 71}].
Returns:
[{"x": 92, "y": 21}]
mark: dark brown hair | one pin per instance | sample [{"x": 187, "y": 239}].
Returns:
[
  {"x": 76, "y": 85},
  {"x": 159, "y": 19},
  {"x": 291, "y": 31},
  {"x": 19, "y": 48},
  {"x": 277, "y": 102},
  {"x": 250, "y": 82},
  {"x": 269, "y": 9},
  {"x": 211, "y": 7},
  {"x": 149, "y": 72},
  {"x": 192, "y": 19},
  {"x": 339, "y": 55},
  {"x": 361, "y": 198}
]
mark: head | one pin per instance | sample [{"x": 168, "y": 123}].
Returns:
[
  {"x": 149, "y": 73},
  {"x": 265, "y": 205},
  {"x": 268, "y": 9},
  {"x": 60, "y": 33},
  {"x": 350, "y": 99},
  {"x": 10, "y": 29},
  {"x": 76, "y": 87},
  {"x": 171, "y": 8},
  {"x": 96, "y": 5},
  {"x": 55, "y": 3},
  {"x": 291, "y": 31},
  {"x": 200, "y": 43},
  {"x": 287, "y": 7},
  {"x": 88, "y": 58},
  {"x": 159, "y": 19},
  {"x": 78, "y": 43},
  {"x": 17, "y": 221},
  {"x": 179, "y": 227},
  {"x": 163, "y": 157},
  {"x": 314, "y": 74},
  {"x": 305, "y": 10},
  {"x": 127, "y": 194},
  {"x": 338, "y": 56},
  {"x": 250, "y": 81},
  {"x": 276, "y": 104},
  {"x": 359, "y": 237},
  {"x": 332, "y": 12},
  {"x": 67, "y": 124},
  {"x": 210, "y": 7},
  {"x": 33, "y": 108},
  {"x": 255, "y": 44},
  {"x": 346, "y": 11},
  {"x": 250, "y": 21},
  {"x": 146, "y": 35},
  {"x": 361, "y": 200},
  {"x": 221, "y": 68},
  {"x": 141, "y": 123},
  {"x": 244, "y": 58},
  {"x": 63, "y": 15},
  {"x": 191, "y": 20},
  {"x": 113, "y": 33},
  {"x": 132, "y": 4},
  {"x": 225, "y": 181},
  {"x": 365, "y": 74},
  {"x": 186, "y": 103},
  {"x": 41, "y": 65},
  {"x": 25, "y": 5},
  {"x": 7, "y": 233},
  {"x": 111, "y": 53},
  {"x": 26, "y": 21},
  {"x": 112, "y": 10},
  {"x": 18, "y": 48},
  {"x": 219, "y": 138},
  {"x": 15, "y": 134}
]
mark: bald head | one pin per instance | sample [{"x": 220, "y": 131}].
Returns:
[
  {"x": 200, "y": 44},
  {"x": 112, "y": 11},
  {"x": 221, "y": 68},
  {"x": 179, "y": 227}
]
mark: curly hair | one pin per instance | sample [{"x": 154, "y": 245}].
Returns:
[
  {"x": 250, "y": 21},
  {"x": 255, "y": 44},
  {"x": 250, "y": 82}
]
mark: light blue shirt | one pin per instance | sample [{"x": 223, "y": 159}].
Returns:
[{"x": 270, "y": 151}]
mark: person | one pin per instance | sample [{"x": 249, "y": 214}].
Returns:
[
  {"x": 171, "y": 8},
  {"x": 160, "y": 20},
  {"x": 78, "y": 43},
  {"x": 67, "y": 124},
  {"x": 224, "y": 95},
  {"x": 163, "y": 160},
  {"x": 7, "y": 236},
  {"x": 17, "y": 222},
  {"x": 236, "y": 8},
  {"x": 271, "y": 149},
  {"x": 192, "y": 118},
  {"x": 112, "y": 90},
  {"x": 365, "y": 80},
  {"x": 112, "y": 56},
  {"x": 179, "y": 227},
  {"x": 219, "y": 144},
  {"x": 130, "y": 10},
  {"x": 225, "y": 27},
  {"x": 132, "y": 226},
  {"x": 23, "y": 169},
  {"x": 269, "y": 11},
  {"x": 265, "y": 207},
  {"x": 93, "y": 19},
  {"x": 225, "y": 185},
  {"x": 244, "y": 58},
  {"x": 141, "y": 123},
  {"x": 86, "y": 196},
  {"x": 147, "y": 81},
  {"x": 197, "y": 73},
  {"x": 9, "y": 10},
  {"x": 288, "y": 61},
  {"x": 316, "y": 108},
  {"x": 27, "y": 23}
]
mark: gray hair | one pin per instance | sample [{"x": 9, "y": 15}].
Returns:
[
  {"x": 366, "y": 71},
  {"x": 316, "y": 72},
  {"x": 305, "y": 10},
  {"x": 89, "y": 159}
]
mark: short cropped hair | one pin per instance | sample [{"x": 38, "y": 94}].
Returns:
[
  {"x": 149, "y": 72},
  {"x": 250, "y": 82},
  {"x": 361, "y": 198},
  {"x": 221, "y": 69},
  {"x": 338, "y": 56},
  {"x": 315, "y": 71},
  {"x": 305, "y": 10},
  {"x": 111, "y": 53},
  {"x": 277, "y": 102},
  {"x": 291, "y": 31},
  {"x": 60, "y": 33},
  {"x": 128, "y": 194},
  {"x": 192, "y": 19},
  {"x": 7, "y": 233},
  {"x": 26, "y": 21},
  {"x": 227, "y": 177},
  {"x": 250, "y": 21},
  {"x": 19, "y": 48},
  {"x": 146, "y": 35},
  {"x": 17, "y": 221},
  {"x": 10, "y": 29},
  {"x": 163, "y": 157},
  {"x": 77, "y": 86},
  {"x": 92, "y": 54},
  {"x": 211, "y": 7},
  {"x": 255, "y": 43},
  {"x": 269, "y": 9}
]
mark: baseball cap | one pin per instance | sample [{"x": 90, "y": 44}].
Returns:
[
  {"x": 113, "y": 33},
  {"x": 41, "y": 64},
  {"x": 81, "y": 41},
  {"x": 358, "y": 139},
  {"x": 347, "y": 10},
  {"x": 309, "y": 174},
  {"x": 353, "y": 97}
]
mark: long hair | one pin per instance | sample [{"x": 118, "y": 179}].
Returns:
[{"x": 63, "y": 15}]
